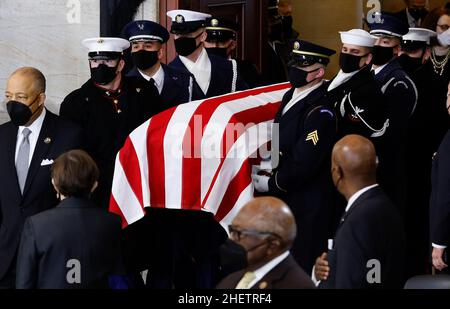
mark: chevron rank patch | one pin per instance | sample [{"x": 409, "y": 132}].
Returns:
[{"x": 313, "y": 137}]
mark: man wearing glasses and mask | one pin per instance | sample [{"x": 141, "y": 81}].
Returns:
[
  {"x": 414, "y": 13},
  {"x": 108, "y": 107},
  {"x": 266, "y": 228},
  {"x": 307, "y": 132}
]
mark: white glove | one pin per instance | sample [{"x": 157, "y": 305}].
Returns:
[{"x": 261, "y": 183}]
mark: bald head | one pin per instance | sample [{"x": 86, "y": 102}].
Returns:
[
  {"x": 354, "y": 159},
  {"x": 268, "y": 214},
  {"x": 33, "y": 76}
]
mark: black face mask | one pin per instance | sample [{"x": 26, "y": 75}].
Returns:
[
  {"x": 20, "y": 113},
  {"x": 418, "y": 13},
  {"x": 186, "y": 46},
  {"x": 409, "y": 64},
  {"x": 218, "y": 51},
  {"x": 349, "y": 63},
  {"x": 103, "y": 74},
  {"x": 382, "y": 55},
  {"x": 145, "y": 59},
  {"x": 286, "y": 23},
  {"x": 297, "y": 77},
  {"x": 276, "y": 32}
]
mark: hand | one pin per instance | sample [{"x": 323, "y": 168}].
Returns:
[
  {"x": 438, "y": 262},
  {"x": 322, "y": 270},
  {"x": 261, "y": 182}
]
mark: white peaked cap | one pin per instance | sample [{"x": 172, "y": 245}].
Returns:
[
  {"x": 357, "y": 37},
  {"x": 188, "y": 15},
  {"x": 419, "y": 35},
  {"x": 117, "y": 45}
]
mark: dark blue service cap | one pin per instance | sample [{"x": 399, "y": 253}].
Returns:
[
  {"x": 145, "y": 30},
  {"x": 388, "y": 25},
  {"x": 221, "y": 30},
  {"x": 305, "y": 53}
]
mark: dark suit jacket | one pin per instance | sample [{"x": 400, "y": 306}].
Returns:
[
  {"x": 176, "y": 88},
  {"x": 286, "y": 275},
  {"x": 221, "y": 78},
  {"x": 56, "y": 137},
  {"x": 371, "y": 229},
  {"x": 440, "y": 195},
  {"x": 304, "y": 171},
  {"x": 76, "y": 229}
]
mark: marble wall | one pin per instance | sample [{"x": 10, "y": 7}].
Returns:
[{"x": 47, "y": 34}]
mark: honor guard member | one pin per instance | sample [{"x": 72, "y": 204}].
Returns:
[
  {"x": 414, "y": 55},
  {"x": 109, "y": 106},
  {"x": 356, "y": 95},
  {"x": 222, "y": 41},
  {"x": 213, "y": 75},
  {"x": 401, "y": 95},
  {"x": 307, "y": 133},
  {"x": 148, "y": 41}
]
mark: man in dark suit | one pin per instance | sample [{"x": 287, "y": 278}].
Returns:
[
  {"x": 368, "y": 248},
  {"x": 307, "y": 133},
  {"x": 213, "y": 75},
  {"x": 401, "y": 97},
  {"x": 28, "y": 145},
  {"x": 414, "y": 13},
  {"x": 266, "y": 228},
  {"x": 108, "y": 107},
  {"x": 76, "y": 244},
  {"x": 147, "y": 40}
]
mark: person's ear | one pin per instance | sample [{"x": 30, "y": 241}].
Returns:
[
  {"x": 161, "y": 52},
  {"x": 203, "y": 37},
  {"x": 42, "y": 98},
  {"x": 426, "y": 55},
  {"x": 320, "y": 73},
  {"x": 94, "y": 186},
  {"x": 120, "y": 66},
  {"x": 368, "y": 59}
]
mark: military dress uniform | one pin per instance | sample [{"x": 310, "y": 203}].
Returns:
[
  {"x": 307, "y": 133},
  {"x": 401, "y": 95},
  {"x": 223, "y": 75},
  {"x": 107, "y": 117},
  {"x": 176, "y": 86},
  {"x": 223, "y": 30}
]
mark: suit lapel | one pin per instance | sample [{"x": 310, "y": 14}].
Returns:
[
  {"x": 274, "y": 275},
  {"x": 44, "y": 142},
  {"x": 170, "y": 90},
  {"x": 10, "y": 153}
]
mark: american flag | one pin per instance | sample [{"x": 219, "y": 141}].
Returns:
[{"x": 196, "y": 156}]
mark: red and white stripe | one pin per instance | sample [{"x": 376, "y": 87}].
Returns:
[{"x": 168, "y": 161}]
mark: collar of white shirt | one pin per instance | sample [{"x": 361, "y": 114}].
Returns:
[
  {"x": 201, "y": 69},
  {"x": 355, "y": 196},
  {"x": 35, "y": 129},
  {"x": 341, "y": 78},
  {"x": 266, "y": 268},
  {"x": 299, "y": 95},
  {"x": 411, "y": 21},
  {"x": 378, "y": 70},
  {"x": 158, "y": 77}
]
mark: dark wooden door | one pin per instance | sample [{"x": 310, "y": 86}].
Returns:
[{"x": 251, "y": 16}]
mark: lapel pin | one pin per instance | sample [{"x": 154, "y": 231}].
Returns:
[
  {"x": 47, "y": 140},
  {"x": 263, "y": 285},
  {"x": 138, "y": 90}
]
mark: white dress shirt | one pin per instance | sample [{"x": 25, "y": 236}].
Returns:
[
  {"x": 35, "y": 129},
  {"x": 158, "y": 77},
  {"x": 201, "y": 69},
  {"x": 265, "y": 269},
  {"x": 341, "y": 78},
  {"x": 411, "y": 21},
  {"x": 299, "y": 95}
]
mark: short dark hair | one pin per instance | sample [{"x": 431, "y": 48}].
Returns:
[{"x": 74, "y": 173}]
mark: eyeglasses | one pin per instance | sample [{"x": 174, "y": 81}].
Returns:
[{"x": 237, "y": 234}]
